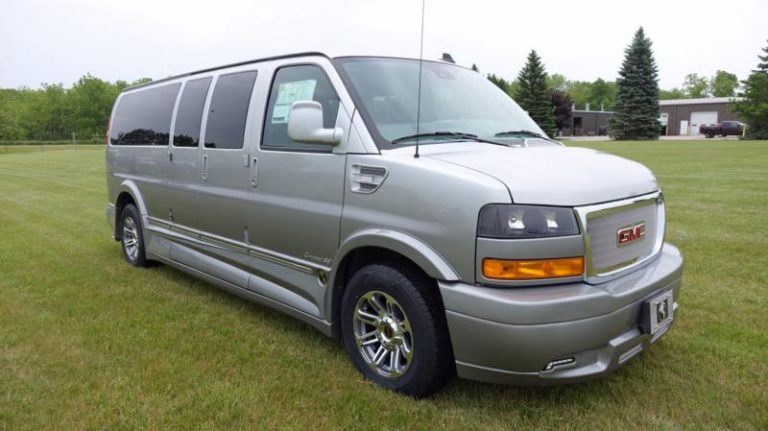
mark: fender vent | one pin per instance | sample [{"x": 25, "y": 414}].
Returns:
[{"x": 367, "y": 179}]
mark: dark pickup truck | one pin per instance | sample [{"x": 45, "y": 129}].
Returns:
[{"x": 723, "y": 129}]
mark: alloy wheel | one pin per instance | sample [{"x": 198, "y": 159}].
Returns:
[{"x": 383, "y": 334}]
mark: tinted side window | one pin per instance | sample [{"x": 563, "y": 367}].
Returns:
[
  {"x": 144, "y": 117},
  {"x": 292, "y": 84},
  {"x": 186, "y": 132},
  {"x": 229, "y": 109}
]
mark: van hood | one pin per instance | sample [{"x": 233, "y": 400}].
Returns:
[{"x": 564, "y": 176}]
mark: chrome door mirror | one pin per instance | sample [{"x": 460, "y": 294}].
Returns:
[{"x": 305, "y": 124}]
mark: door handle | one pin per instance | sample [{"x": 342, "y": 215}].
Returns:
[
  {"x": 254, "y": 172},
  {"x": 205, "y": 167}
]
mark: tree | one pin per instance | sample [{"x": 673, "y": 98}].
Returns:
[
  {"x": 474, "y": 67},
  {"x": 91, "y": 100},
  {"x": 9, "y": 126},
  {"x": 499, "y": 82},
  {"x": 695, "y": 86},
  {"x": 556, "y": 81},
  {"x": 532, "y": 94},
  {"x": 672, "y": 94},
  {"x": 602, "y": 94},
  {"x": 561, "y": 103},
  {"x": 754, "y": 108},
  {"x": 579, "y": 92},
  {"x": 637, "y": 93},
  {"x": 512, "y": 87},
  {"x": 53, "y": 114},
  {"x": 723, "y": 84}
]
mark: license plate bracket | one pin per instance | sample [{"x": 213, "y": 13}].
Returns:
[{"x": 658, "y": 313}]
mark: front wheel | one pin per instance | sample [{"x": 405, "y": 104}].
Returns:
[{"x": 394, "y": 330}]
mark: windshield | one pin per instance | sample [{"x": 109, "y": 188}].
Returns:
[{"x": 453, "y": 99}]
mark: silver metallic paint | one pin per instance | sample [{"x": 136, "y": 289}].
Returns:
[{"x": 273, "y": 227}]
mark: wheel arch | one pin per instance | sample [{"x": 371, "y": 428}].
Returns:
[
  {"x": 378, "y": 245},
  {"x": 128, "y": 193}
]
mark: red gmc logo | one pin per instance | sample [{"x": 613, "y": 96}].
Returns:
[{"x": 628, "y": 235}]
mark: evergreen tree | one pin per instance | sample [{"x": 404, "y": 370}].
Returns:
[
  {"x": 636, "y": 110},
  {"x": 533, "y": 94},
  {"x": 499, "y": 82},
  {"x": 754, "y": 109},
  {"x": 561, "y": 103},
  {"x": 474, "y": 67}
]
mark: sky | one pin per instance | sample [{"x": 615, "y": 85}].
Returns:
[{"x": 47, "y": 41}]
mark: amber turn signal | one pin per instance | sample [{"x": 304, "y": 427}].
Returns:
[{"x": 533, "y": 269}]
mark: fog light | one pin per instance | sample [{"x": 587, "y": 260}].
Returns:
[
  {"x": 559, "y": 363},
  {"x": 533, "y": 269}
]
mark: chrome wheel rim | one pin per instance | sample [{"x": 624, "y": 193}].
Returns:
[
  {"x": 130, "y": 238},
  {"x": 383, "y": 334}
]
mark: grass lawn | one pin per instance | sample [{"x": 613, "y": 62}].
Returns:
[
  {"x": 12, "y": 149},
  {"x": 87, "y": 342}
]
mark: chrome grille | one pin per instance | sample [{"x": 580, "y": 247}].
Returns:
[{"x": 605, "y": 255}]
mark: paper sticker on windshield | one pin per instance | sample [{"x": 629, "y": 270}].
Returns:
[{"x": 289, "y": 92}]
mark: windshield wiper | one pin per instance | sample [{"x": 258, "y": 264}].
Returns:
[
  {"x": 520, "y": 133},
  {"x": 451, "y": 135},
  {"x": 524, "y": 133}
]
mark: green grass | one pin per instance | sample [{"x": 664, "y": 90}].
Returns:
[
  {"x": 43, "y": 146},
  {"x": 87, "y": 342}
]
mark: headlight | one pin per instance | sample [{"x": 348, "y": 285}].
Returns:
[{"x": 526, "y": 221}]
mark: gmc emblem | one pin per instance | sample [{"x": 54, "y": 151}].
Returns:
[{"x": 628, "y": 235}]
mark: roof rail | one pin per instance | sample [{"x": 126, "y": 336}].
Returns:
[{"x": 210, "y": 69}]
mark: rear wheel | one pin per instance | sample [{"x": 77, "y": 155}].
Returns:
[
  {"x": 709, "y": 135},
  {"x": 394, "y": 330},
  {"x": 132, "y": 236}
]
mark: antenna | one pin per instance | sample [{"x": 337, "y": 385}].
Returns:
[{"x": 418, "y": 97}]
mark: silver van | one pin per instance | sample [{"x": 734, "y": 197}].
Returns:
[{"x": 411, "y": 209}]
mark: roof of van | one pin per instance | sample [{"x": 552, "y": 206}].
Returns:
[
  {"x": 240, "y": 63},
  {"x": 258, "y": 60}
]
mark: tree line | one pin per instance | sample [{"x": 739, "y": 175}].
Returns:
[
  {"x": 54, "y": 112},
  {"x": 601, "y": 94},
  {"x": 634, "y": 96}
]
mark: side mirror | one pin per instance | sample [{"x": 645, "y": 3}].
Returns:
[{"x": 305, "y": 124}]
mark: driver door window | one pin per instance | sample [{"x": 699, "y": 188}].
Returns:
[{"x": 292, "y": 84}]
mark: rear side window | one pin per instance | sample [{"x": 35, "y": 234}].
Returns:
[
  {"x": 186, "y": 132},
  {"x": 293, "y": 84},
  {"x": 144, "y": 117},
  {"x": 225, "y": 128}
]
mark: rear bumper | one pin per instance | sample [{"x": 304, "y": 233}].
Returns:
[{"x": 509, "y": 335}]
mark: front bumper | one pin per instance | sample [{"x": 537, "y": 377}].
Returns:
[{"x": 509, "y": 335}]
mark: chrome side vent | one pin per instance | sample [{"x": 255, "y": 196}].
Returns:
[{"x": 367, "y": 179}]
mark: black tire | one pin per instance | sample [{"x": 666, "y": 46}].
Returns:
[
  {"x": 431, "y": 365},
  {"x": 132, "y": 237},
  {"x": 709, "y": 135}
]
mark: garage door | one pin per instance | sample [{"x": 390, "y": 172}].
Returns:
[{"x": 702, "y": 118}]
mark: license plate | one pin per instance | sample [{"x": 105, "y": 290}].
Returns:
[{"x": 658, "y": 313}]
